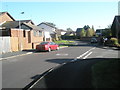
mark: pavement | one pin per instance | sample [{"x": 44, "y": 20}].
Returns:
[{"x": 15, "y": 54}]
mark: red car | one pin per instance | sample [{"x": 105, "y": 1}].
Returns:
[{"x": 47, "y": 46}]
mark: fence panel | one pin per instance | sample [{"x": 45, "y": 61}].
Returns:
[{"x": 5, "y": 45}]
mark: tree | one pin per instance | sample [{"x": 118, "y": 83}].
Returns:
[
  {"x": 69, "y": 29},
  {"x": 86, "y": 27},
  {"x": 107, "y": 32},
  {"x": 82, "y": 33},
  {"x": 93, "y": 30},
  {"x": 92, "y": 27},
  {"x": 89, "y": 33},
  {"x": 109, "y": 26}
]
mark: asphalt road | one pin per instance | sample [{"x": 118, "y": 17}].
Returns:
[{"x": 17, "y": 72}]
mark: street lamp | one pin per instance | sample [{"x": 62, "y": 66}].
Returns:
[
  {"x": 19, "y": 21},
  {"x": 20, "y": 37}
]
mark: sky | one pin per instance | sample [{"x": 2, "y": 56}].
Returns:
[{"x": 64, "y": 14}]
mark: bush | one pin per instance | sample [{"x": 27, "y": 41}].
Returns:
[
  {"x": 114, "y": 41},
  {"x": 105, "y": 74}
]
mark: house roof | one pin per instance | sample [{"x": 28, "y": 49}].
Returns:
[
  {"x": 116, "y": 21},
  {"x": 118, "y": 18},
  {"x": 1, "y": 13},
  {"x": 47, "y": 24},
  {"x": 115, "y": 28},
  {"x": 11, "y": 24},
  {"x": 15, "y": 24},
  {"x": 34, "y": 27},
  {"x": 26, "y": 21},
  {"x": 78, "y": 29},
  {"x": 69, "y": 32},
  {"x": 58, "y": 31}
]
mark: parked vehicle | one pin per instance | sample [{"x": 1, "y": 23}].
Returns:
[
  {"x": 47, "y": 46},
  {"x": 94, "y": 40}
]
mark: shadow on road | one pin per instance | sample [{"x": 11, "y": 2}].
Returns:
[
  {"x": 59, "y": 61},
  {"x": 75, "y": 74},
  {"x": 29, "y": 50}
]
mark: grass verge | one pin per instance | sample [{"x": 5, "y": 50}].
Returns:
[
  {"x": 62, "y": 43},
  {"x": 106, "y": 74}
]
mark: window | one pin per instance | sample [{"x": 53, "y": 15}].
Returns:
[
  {"x": 43, "y": 43},
  {"x": 24, "y": 34},
  {"x": 29, "y": 37},
  {"x": 35, "y": 33},
  {"x": 40, "y": 33}
]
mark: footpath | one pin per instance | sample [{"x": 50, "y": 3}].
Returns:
[{"x": 15, "y": 54}]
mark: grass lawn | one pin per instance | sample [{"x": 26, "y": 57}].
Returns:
[
  {"x": 64, "y": 42},
  {"x": 106, "y": 74}
]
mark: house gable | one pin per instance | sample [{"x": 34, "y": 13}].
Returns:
[
  {"x": 23, "y": 26},
  {"x": 5, "y": 16},
  {"x": 26, "y": 21},
  {"x": 47, "y": 28}
]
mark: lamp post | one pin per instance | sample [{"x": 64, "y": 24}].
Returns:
[{"x": 20, "y": 37}]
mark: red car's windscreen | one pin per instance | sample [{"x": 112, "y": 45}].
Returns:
[{"x": 44, "y": 43}]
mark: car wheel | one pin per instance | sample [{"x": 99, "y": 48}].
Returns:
[{"x": 49, "y": 49}]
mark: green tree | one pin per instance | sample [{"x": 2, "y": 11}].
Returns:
[
  {"x": 107, "y": 32},
  {"x": 69, "y": 29},
  {"x": 89, "y": 32},
  {"x": 93, "y": 30},
  {"x": 82, "y": 33},
  {"x": 86, "y": 27}
]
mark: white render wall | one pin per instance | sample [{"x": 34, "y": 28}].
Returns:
[{"x": 5, "y": 45}]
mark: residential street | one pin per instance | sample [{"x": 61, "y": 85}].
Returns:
[{"x": 19, "y": 71}]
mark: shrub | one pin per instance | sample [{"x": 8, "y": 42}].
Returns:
[{"x": 114, "y": 41}]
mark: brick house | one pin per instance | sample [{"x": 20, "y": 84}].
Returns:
[{"x": 27, "y": 36}]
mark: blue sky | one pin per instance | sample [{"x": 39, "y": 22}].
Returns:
[{"x": 64, "y": 14}]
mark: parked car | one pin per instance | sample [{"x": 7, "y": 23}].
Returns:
[
  {"x": 47, "y": 46},
  {"x": 94, "y": 40}
]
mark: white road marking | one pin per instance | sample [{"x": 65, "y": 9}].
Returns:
[
  {"x": 87, "y": 55},
  {"x": 82, "y": 55},
  {"x": 61, "y": 54},
  {"x": 1, "y": 59}
]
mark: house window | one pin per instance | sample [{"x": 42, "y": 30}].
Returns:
[
  {"x": 40, "y": 33},
  {"x": 29, "y": 37},
  {"x": 35, "y": 33},
  {"x": 24, "y": 34}
]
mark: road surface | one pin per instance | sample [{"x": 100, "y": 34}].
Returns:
[{"x": 19, "y": 71}]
